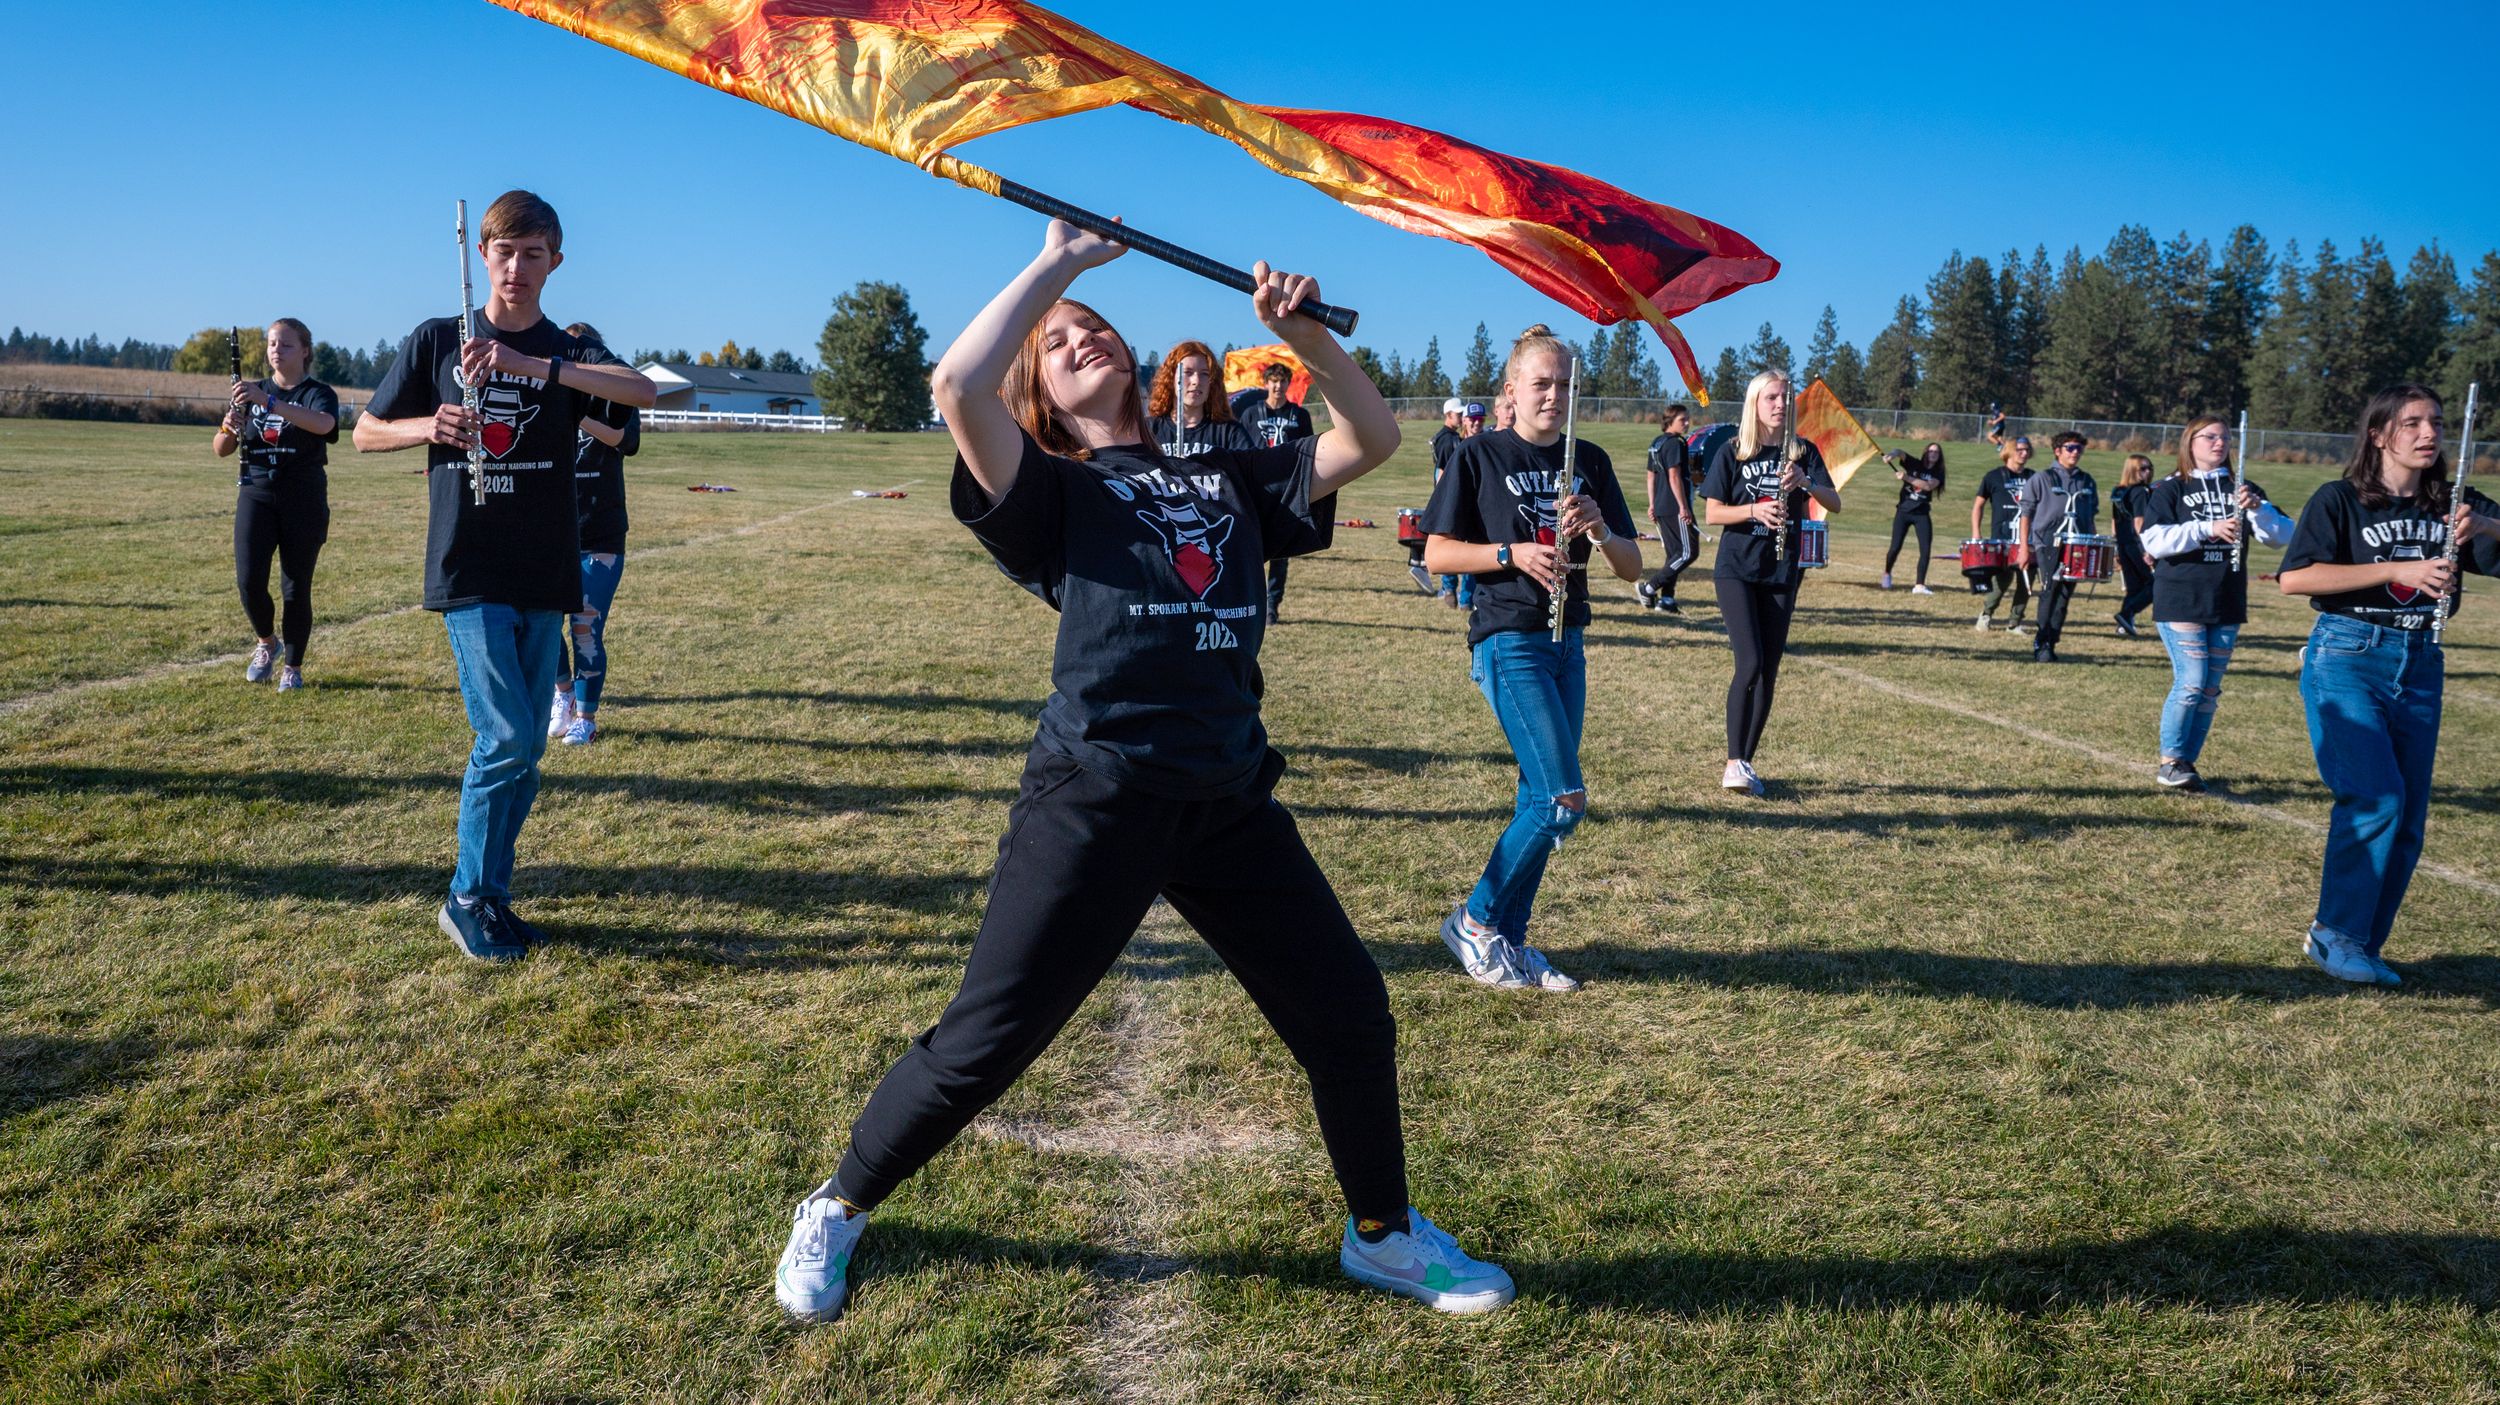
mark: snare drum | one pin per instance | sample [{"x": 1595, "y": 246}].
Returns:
[
  {"x": 1410, "y": 527},
  {"x": 1987, "y": 554},
  {"x": 1814, "y": 545},
  {"x": 2085, "y": 558}
]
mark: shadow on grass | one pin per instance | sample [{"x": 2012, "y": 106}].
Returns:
[
  {"x": 763, "y": 796},
  {"x": 1780, "y": 813},
  {"x": 1030, "y": 709},
  {"x": 1904, "y": 971},
  {"x": 2177, "y": 1265},
  {"x": 19, "y": 602},
  {"x": 39, "y": 1069}
]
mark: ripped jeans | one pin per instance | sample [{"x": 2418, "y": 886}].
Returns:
[
  {"x": 2199, "y": 653},
  {"x": 588, "y": 674},
  {"x": 1538, "y": 689}
]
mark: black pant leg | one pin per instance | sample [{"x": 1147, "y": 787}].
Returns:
[
  {"x": 2137, "y": 575},
  {"x": 302, "y": 528},
  {"x": 1926, "y": 529},
  {"x": 1276, "y": 571},
  {"x": 1250, "y": 887},
  {"x": 1777, "y": 610},
  {"x": 1900, "y": 528},
  {"x": 1077, "y": 869},
  {"x": 1740, "y": 610},
  {"x": 255, "y": 541}
]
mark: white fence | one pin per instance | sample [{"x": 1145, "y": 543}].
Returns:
[{"x": 710, "y": 419}]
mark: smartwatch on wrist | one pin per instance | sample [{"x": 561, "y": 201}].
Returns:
[
  {"x": 1501, "y": 557},
  {"x": 555, "y": 368}
]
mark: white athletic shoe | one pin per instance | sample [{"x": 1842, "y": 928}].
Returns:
[
  {"x": 1539, "y": 971},
  {"x": 290, "y": 678},
  {"x": 1423, "y": 579},
  {"x": 1982, "y": 626},
  {"x": 1886, "y": 582},
  {"x": 560, "y": 714},
  {"x": 1734, "y": 777},
  {"x": 264, "y": 661},
  {"x": 2336, "y": 955},
  {"x": 814, "y": 1276},
  {"x": 1424, "y": 1263},
  {"x": 1483, "y": 955},
  {"x": 1920, "y": 590}
]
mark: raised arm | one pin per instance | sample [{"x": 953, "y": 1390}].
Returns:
[
  {"x": 1363, "y": 434},
  {"x": 967, "y": 378}
]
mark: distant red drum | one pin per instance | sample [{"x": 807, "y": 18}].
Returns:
[
  {"x": 1814, "y": 546},
  {"x": 1987, "y": 554},
  {"x": 1410, "y": 527},
  {"x": 2085, "y": 558}
]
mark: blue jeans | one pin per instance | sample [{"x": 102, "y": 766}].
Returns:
[
  {"x": 2199, "y": 653},
  {"x": 2372, "y": 695},
  {"x": 1464, "y": 585},
  {"x": 1538, "y": 689},
  {"x": 508, "y": 660},
  {"x": 600, "y": 573}
]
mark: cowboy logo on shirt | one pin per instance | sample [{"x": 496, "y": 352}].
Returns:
[
  {"x": 505, "y": 416},
  {"x": 1193, "y": 537}
]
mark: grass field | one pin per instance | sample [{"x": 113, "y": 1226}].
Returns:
[{"x": 1964, "y": 1067}]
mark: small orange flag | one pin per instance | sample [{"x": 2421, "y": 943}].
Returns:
[
  {"x": 1835, "y": 433},
  {"x": 1246, "y": 369}
]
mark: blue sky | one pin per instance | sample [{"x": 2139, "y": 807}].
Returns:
[{"x": 298, "y": 158}]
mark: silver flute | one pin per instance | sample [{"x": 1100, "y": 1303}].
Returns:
[
  {"x": 2239, "y": 475},
  {"x": 1556, "y": 606},
  {"x": 468, "y": 388},
  {"x": 2456, "y": 499}
]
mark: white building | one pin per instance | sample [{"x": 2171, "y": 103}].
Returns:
[{"x": 724, "y": 390}]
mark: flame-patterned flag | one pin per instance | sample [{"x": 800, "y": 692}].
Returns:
[
  {"x": 1835, "y": 433},
  {"x": 915, "y": 78},
  {"x": 1246, "y": 369}
]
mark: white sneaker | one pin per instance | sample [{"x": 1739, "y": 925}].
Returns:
[
  {"x": 1886, "y": 582},
  {"x": 290, "y": 678},
  {"x": 814, "y": 1276},
  {"x": 1539, "y": 971},
  {"x": 2338, "y": 957},
  {"x": 1424, "y": 1263},
  {"x": 1753, "y": 779},
  {"x": 1734, "y": 777},
  {"x": 1483, "y": 955},
  {"x": 1982, "y": 626},
  {"x": 1920, "y": 590},
  {"x": 264, "y": 662},
  {"x": 2386, "y": 974},
  {"x": 560, "y": 714}
]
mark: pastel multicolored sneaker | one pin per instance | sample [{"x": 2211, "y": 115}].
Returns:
[
  {"x": 290, "y": 678},
  {"x": 264, "y": 660},
  {"x": 1481, "y": 952},
  {"x": 1424, "y": 1263},
  {"x": 560, "y": 714},
  {"x": 815, "y": 1273},
  {"x": 580, "y": 732},
  {"x": 1539, "y": 971}
]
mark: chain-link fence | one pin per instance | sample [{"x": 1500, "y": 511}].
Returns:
[{"x": 2159, "y": 440}]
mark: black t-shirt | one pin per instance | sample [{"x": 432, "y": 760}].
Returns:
[
  {"x": 277, "y": 457},
  {"x": 522, "y": 548},
  {"x": 599, "y": 476},
  {"x": 2126, "y": 505},
  {"x": 1916, "y": 501},
  {"x": 2003, "y": 488},
  {"x": 1500, "y": 490},
  {"x": 2197, "y": 586},
  {"x": 1273, "y": 427},
  {"x": 1666, "y": 453},
  {"x": 1746, "y": 551},
  {"x": 1202, "y": 438},
  {"x": 2337, "y": 528},
  {"x": 1442, "y": 445},
  {"x": 1154, "y": 568}
]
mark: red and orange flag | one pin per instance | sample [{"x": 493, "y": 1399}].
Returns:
[
  {"x": 1835, "y": 433},
  {"x": 1247, "y": 368},
  {"x": 916, "y": 78}
]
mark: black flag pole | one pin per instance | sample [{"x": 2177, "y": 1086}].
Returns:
[{"x": 1340, "y": 320}]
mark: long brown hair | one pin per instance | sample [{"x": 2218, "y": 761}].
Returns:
[
  {"x": 2138, "y": 470},
  {"x": 1166, "y": 391},
  {"x": 1029, "y": 402},
  {"x": 2363, "y": 473},
  {"x": 2187, "y": 436}
]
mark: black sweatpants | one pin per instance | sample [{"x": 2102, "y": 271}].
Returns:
[
  {"x": 2137, "y": 575},
  {"x": 1904, "y": 521},
  {"x": 1682, "y": 541},
  {"x": 1757, "y": 618},
  {"x": 2056, "y": 595},
  {"x": 292, "y": 526},
  {"x": 1276, "y": 584},
  {"x": 1082, "y": 860}
]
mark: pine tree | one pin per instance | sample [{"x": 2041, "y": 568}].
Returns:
[
  {"x": 1820, "y": 350},
  {"x": 2236, "y": 301},
  {"x": 2379, "y": 355},
  {"x": 1368, "y": 362},
  {"x": 1427, "y": 378},
  {"x": 2430, "y": 298},
  {"x": 875, "y": 360},
  {"x": 2027, "y": 330},
  {"x": 1635, "y": 374},
  {"x": 1769, "y": 352},
  {"x": 2094, "y": 368},
  {"x": 1481, "y": 377},
  {"x": 1892, "y": 359},
  {"x": 2334, "y": 297},
  {"x": 2283, "y": 388},
  {"x": 1393, "y": 378},
  {"x": 1596, "y": 370},
  {"x": 1847, "y": 375},
  {"x": 1962, "y": 360},
  {"x": 1727, "y": 378},
  {"x": 2473, "y": 350},
  {"x": 2175, "y": 332}
]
